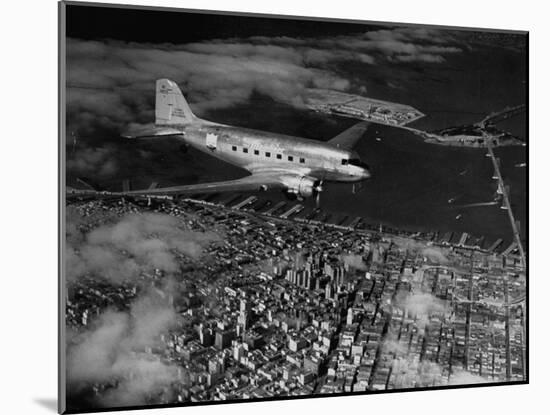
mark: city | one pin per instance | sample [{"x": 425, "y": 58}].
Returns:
[{"x": 286, "y": 307}]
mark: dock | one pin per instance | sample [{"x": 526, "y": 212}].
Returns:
[
  {"x": 245, "y": 202},
  {"x": 294, "y": 209},
  {"x": 274, "y": 208}
]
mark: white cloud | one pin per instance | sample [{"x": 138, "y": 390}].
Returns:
[
  {"x": 135, "y": 243},
  {"x": 111, "y": 83},
  {"x": 114, "y": 350}
]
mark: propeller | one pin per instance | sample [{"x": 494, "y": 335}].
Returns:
[
  {"x": 357, "y": 187},
  {"x": 317, "y": 189}
]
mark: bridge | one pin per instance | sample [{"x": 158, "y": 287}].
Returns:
[
  {"x": 506, "y": 113},
  {"x": 506, "y": 200}
]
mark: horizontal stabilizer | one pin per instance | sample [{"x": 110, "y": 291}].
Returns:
[
  {"x": 347, "y": 139},
  {"x": 151, "y": 131}
]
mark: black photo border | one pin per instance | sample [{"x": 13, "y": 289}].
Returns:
[{"x": 62, "y": 204}]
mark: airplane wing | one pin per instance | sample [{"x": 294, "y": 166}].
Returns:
[
  {"x": 346, "y": 140},
  {"x": 255, "y": 182}
]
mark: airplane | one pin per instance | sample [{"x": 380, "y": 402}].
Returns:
[{"x": 298, "y": 166}]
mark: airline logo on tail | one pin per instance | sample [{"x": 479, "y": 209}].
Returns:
[{"x": 171, "y": 108}]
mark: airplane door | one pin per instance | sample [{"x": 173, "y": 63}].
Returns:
[{"x": 211, "y": 141}]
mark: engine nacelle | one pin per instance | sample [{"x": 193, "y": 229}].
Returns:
[{"x": 301, "y": 186}]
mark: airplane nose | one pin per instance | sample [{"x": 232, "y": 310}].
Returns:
[{"x": 366, "y": 174}]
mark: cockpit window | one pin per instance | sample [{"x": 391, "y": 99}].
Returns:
[
  {"x": 344, "y": 162},
  {"x": 359, "y": 163}
]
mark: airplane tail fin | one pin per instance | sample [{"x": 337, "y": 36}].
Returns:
[{"x": 171, "y": 108}]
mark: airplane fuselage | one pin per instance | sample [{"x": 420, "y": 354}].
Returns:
[{"x": 261, "y": 151}]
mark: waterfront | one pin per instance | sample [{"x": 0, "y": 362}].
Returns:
[{"x": 247, "y": 306}]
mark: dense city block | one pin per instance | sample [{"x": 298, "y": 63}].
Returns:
[{"x": 243, "y": 305}]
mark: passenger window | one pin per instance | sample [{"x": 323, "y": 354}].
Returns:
[
  {"x": 234, "y": 148},
  {"x": 256, "y": 152},
  {"x": 302, "y": 160},
  {"x": 279, "y": 156},
  {"x": 290, "y": 158},
  {"x": 267, "y": 154},
  {"x": 245, "y": 150}
]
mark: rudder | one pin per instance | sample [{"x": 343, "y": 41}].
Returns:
[{"x": 171, "y": 108}]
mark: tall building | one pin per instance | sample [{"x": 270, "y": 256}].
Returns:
[
  {"x": 349, "y": 318},
  {"x": 339, "y": 273},
  {"x": 244, "y": 305},
  {"x": 328, "y": 271},
  {"x": 239, "y": 350},
  {"x": 206, "y": 336},
  {"x": 223, "y": 338},
  {"x": 244, "y": 316},
  {"x": 329, "y": 290},
  {"x": 307, "y": 279}
]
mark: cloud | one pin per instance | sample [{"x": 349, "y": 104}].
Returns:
[
  {"x": 432, "y": 253},
  {"x": 354, "y": 261},
  {"x": 423, "y": 304},
  {"x": 92, "y": 161},
  {"x": 409, "y": 372},
  {"x": 463, "y": 377},
  {"x": 392, "y": 345},
  {"x": 114, "y": 351},
  {"x": 134, "y": 244},
  {"x": 423, "y": 57},
  {"x": 110, "y": 83},
  {"x": 435, "y": 254},
  {"x": 378, "y": 46},
  {"x": 412, "y": 373},
  {"x": 422, "y": 307},
  {"x": 407, "y": 369}
]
